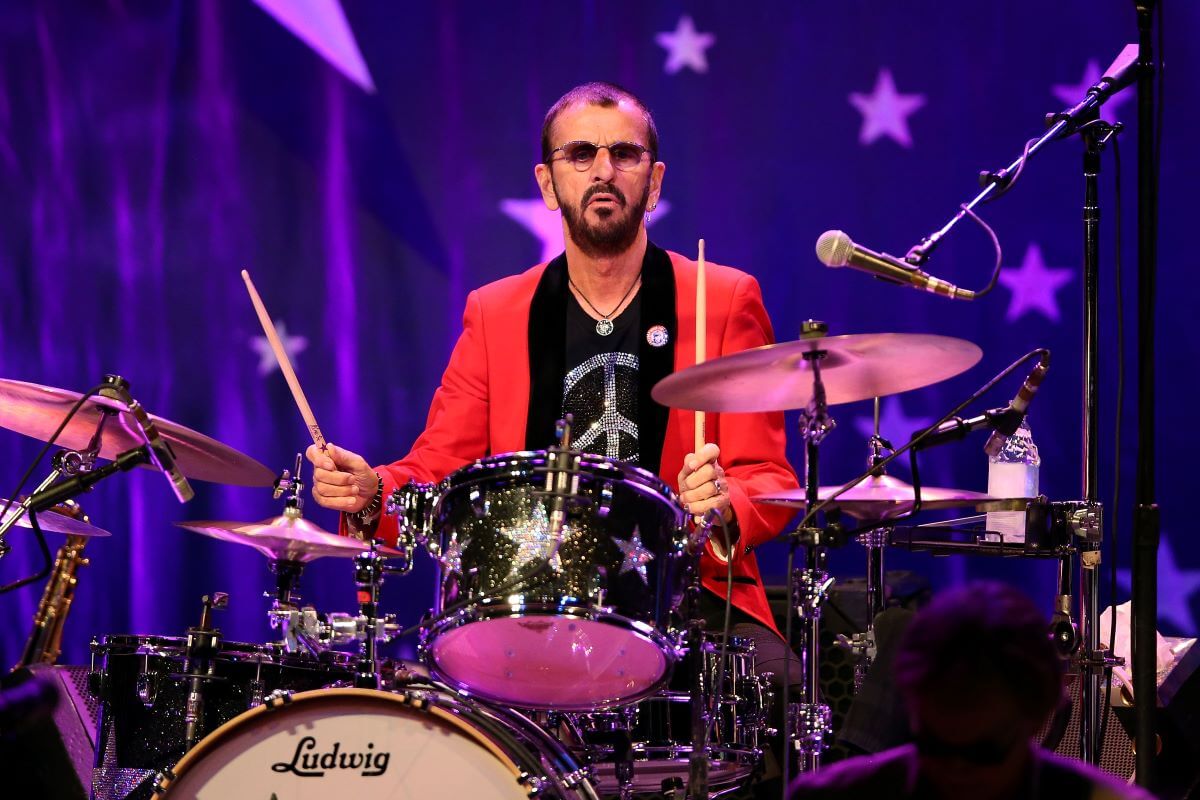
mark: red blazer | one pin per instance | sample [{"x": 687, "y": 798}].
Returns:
[{"x": 482, "y": 406}]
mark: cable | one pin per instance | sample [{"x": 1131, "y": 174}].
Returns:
[
  {"x": 46, "y": 560},
  {"x": 46, "y": 447}
]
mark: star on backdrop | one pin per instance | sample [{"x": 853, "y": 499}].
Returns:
[
  {"x": 885, "y": 111},
  {"x": 546, "y": 225},
  {"x": 1072, "y": 94},
  {"x": 292, "y": 345},
  {"x": 636, "y": 556},
  {"x": 1176, "y": 586},
  {"x": 685, "y": 47},
  {"x": 1034, "y": 286},
  {"x": 322, "y": 25},
  {"x": 894, "y": 424}
]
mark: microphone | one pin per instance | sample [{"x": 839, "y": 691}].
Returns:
[
  {"x": 1019, "y": 404},
  {"x": 1120, "y": 73},
  {"x": 161, "y": 454},
  {"x": 835, "y": 249}
]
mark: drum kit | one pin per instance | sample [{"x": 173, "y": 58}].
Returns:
[{"x": 557, "y": 659}]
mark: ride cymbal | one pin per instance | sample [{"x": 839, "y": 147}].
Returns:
[{"x": 778, "y": 377}]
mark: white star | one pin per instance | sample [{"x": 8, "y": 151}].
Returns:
[
  {"x": 1034, "y": 286},
  {"x": 885, "y": 111},
  {"x": 546, "y": 225},
  {"x": 1074, "y": 93},
  {"x": 292, "y": 345},
  {"x": 1175, "y": 589},
  {"x": 636, "y": 555},
  {"x": 322, "y": 25},
  {"x": 685, "y": 46},
  {"x": 452, "y": 556},
  {"x": 894, "y": 425},
  {"x": 533, "y": 540}
]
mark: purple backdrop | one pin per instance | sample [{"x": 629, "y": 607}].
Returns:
[{"x": 372, "y": 163}]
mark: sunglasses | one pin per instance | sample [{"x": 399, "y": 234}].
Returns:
[{"x": 581, "y": 155}]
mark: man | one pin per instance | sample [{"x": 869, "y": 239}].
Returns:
[
  {"x": 979, "y": 676},
  {"x": 610, "y": 317}
]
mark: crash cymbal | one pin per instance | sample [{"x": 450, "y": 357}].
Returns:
[
  {"x": 53, "y": 522},
  {"x": 880, "y": 497},
  {"x": 37, "y": 411},
  {"x": 285, "y": 538},
  {"x": 778, "y": 377}
]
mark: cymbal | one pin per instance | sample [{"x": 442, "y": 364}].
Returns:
[
  {"x": 879, "y": 497},
  {"x": 285, "y": 538},
  {"x": 37, "y": 411},
  {"x": 777, "y": 377},
  {"x": 51, "y": 521}
]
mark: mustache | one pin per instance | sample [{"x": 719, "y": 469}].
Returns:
[{"x": 602, "y": 188}]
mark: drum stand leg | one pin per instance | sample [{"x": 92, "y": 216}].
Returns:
[
  {"x": 810, "y": 720},
  {"x": 862, "y": 645}
]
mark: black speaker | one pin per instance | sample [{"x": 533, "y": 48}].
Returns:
[
  {"x": 1061, "y": 734},
  {"x": 49, "y": 750}
]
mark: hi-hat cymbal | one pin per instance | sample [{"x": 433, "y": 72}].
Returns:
[
  {"x": 285, "y": 538},
  {"x": 778, "y": 377},
  {"x": 879, "y": 497},
  {"x": 53, "y": 522},
  {"x": 37, "y": 411}
]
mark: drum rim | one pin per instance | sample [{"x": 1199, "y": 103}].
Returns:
[
  {"x": 169, "y": 646},
  {"x": 414, "y": 700},
  {"x": 644, "y": 476}
]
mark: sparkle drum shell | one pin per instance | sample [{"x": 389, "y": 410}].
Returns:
[
  {"x": 590, "y": 630},
  {"x": 362, "y": 743},
  {"x": 142, "y": 684}
]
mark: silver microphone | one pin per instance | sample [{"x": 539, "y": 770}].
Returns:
[{"x": 835, "y": 249}]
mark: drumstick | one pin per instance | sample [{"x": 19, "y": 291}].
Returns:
[
  {"x": 285, "y": 364},
  {"x": 701, "y": 332}
]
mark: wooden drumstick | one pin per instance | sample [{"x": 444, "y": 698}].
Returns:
[
  {"x": 701, "y": 333},
  {"x": 285, "y": 364}
]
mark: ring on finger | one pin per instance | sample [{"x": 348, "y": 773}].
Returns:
[{"x": 719, "y": 485}]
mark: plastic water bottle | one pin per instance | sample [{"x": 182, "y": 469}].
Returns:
[{"x": 1013, "y": 472}]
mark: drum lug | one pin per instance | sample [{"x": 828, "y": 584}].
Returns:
[
  {"x": 606, "y": 500},
  {"x": 147, "y": 689}
]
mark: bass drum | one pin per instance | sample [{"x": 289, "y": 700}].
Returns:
[{"x": 368, "y": 744}]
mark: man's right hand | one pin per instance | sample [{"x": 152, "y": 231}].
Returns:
[{"x": 342, "y": 480}]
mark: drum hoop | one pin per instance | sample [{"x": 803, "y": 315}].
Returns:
[
  {"x": 499, "y": 608},
  {"x": 412, "y": 700},
  {"x": 629, "y": 473}
]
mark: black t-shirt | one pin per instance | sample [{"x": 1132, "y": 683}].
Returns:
[{"x": 601, "y": 385}]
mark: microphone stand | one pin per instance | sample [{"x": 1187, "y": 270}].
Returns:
[
  {"x": 1146, "y": 518},
  {"x": 1084, "y": 119}
]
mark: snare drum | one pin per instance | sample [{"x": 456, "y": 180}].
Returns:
[
  {"x": 361, "y": 743},
  {"x": 588, "y": 631},
  {"x": 143, "y": 698}
]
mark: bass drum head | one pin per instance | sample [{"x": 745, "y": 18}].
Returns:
[{"x": 357, "y": 743}]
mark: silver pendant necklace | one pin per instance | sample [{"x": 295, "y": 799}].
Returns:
[{"x": 604, "y": 325}]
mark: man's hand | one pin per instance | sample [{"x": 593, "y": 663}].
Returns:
[
  {"x": 342, "y": 480},
  {"x": 702, "y": 485}
]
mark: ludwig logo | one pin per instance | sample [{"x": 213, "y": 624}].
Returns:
[{"x": 308, "y": 763}]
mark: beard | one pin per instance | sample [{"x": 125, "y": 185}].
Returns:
[{"x": 617, "y": 229}]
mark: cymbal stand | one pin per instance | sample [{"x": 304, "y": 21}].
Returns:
[
  {"x": 65, "y": 464},
  {"x": 809, "y": 721},
  {"x": 862, "y": 645}
]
